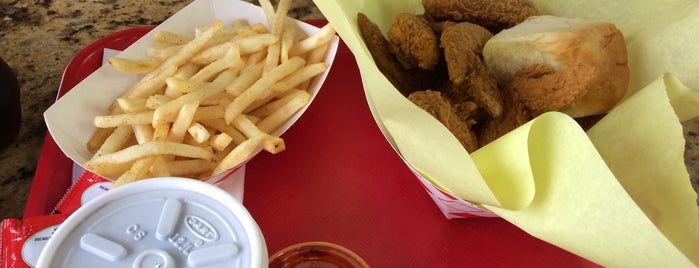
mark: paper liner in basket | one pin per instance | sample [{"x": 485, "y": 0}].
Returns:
[
  {"x": 619, "y": 195},
  {"x": 69, "y": 120}
]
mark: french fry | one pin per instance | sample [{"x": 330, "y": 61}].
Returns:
[
  {"x": 183, "y": 121},
  {"x": 168, "y": 111},
  {"x": 184, "y": 86},
  {"x": 287, "y": 40},
  {"x": 298, "y": 77},
  {"x": 170, "y": 38},
  {"x": 270, "y": 107},
  {"x": 115, "y": 141},
  {"x": 220, "y": 141},
  {"x": 247, "y": 45},
  {"x": 163, "y": 52},
  {"x": 270, "y": 143},
  {"x": 138, "y": 171},
  {"x": 268, "y": 9},
  {"x": 254, "y": 59},
  {"x": 239, "y": 23},
  {"x": 221, "y": 126},
  {"x": 272, "y": 59},
  {"x": 324, "y": 35},
  {"x": 209, "y": 112},
  {"x": 318, "y": 54},
  {"x": 188, "y": 139},
  {"x": 160, "y": 132},
  {"x": 135, "y": 152},
  {"x": 132, "y": 105},
  {"x": 259, "y": 28},
  {"x": 286, "y": 84},
  {"x": 277, "y": 25},
  {"x": 199, "y": 132},
  {"x": 143, "y": 133},
  {"x": 98, "y": 138},
  {"x": 187, "y": 167},
  {"x": 255, "y": 43},
  {"x": 246, "y": 33},
  {"x": 252, "y": 118},
  {"x": 154, "y": 101},
  {"x": 160, "y": 167},
  {"x": 146, "y": 117},
  {"x": 280, "y": 115},
  {"x": 183, "y": 72},
  {"x": 151, "y": 82},
  {"x": 211, "y": 53},
  {"x": 106, "y": 121},
  {"x": 315, "y": 56},
  {"x": 231, "y": 60},
  {"x": 238, "y": 155},
  {"x": 257, "y": 90},
  {"x": 110, "y": 170},
  {"x": 246, "y": 79},
  {"x": 134, "y": 66}
]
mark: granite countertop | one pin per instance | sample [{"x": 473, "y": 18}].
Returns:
[{"x": 38, "y": 39}]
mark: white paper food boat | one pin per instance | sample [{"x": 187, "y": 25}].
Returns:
[{"x": 70, "y": 119}]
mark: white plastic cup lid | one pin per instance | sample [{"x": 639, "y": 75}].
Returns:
[{"x": 160, "y": 222}]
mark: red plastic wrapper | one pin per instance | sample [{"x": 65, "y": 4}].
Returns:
[
  {"x": 23, "y": 240},
  {"x": 87, "y": 187}
]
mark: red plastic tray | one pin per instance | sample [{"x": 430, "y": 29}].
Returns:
[{"x": 338, "y": 181}]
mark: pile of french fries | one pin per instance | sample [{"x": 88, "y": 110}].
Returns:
[{"x": 208, "y": 103}]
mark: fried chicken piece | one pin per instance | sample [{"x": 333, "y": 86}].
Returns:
[
  {"x": 536, "y": 90},
  {"x": 463, "y": 43},
  {"x": 463, "y": 46},
  {"x": 412, "y": 40},
  {"x": 541, "y": 91},
  {"x": 494, "y": 15},
  {"x": 513, "y": 116},
  {"x": 479, "y": 86},
  {"x": 467, "y": 111},
  {"x": 385, "y": 60},
  {"x": 433, "y": 103},
  {"x": 439, "y": 26},
  {"x": 483, "y": 87}
]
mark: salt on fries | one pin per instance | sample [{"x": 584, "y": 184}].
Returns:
[{"x": 208, "y": 103}]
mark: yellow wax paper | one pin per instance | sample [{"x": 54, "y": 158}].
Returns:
[{"x": 618, "y": 195}]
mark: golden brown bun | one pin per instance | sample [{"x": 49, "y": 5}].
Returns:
[{"x": 561, "y": 42}]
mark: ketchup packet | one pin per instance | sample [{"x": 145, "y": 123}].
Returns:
[
  {"x": 23, "y": 240},
  {"x": 87, "y": 187}
]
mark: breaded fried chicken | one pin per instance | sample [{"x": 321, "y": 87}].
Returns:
[
  {"x": 541, "y": 91},
  {"x": 494, "y": 15},
  {"x": 387, "y": 63},
  {"x": 535, "y": 90},
  {"x": 463, "y": 43},
  {"x": 433, "y": 103},
  {"x": 463, "y": 46},
  {"x": 412, "y": 40},
  {"x": 513, "y": 116},
  {"x": 467, "y": 110},
  {"x": 481, "y": 88}
]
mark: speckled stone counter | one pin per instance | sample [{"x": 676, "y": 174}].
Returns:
[{"x": 38, "y": 39}]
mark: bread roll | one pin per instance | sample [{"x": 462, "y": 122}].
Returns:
[{"x": 561, "y": 42}]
